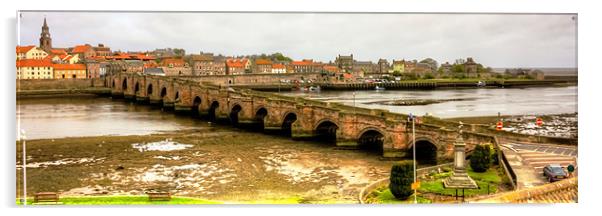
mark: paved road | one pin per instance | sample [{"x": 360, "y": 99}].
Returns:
[{"x": 527, "y": 160}]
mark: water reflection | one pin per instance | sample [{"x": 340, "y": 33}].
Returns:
[{"x": 94, "y": 116}]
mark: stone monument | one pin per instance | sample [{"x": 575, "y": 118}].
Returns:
[{"x": 459, "y": 178}]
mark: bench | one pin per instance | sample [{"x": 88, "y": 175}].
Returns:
[
  {"x": 46, "y": 197},
  {"x": 159, "y": 196}
]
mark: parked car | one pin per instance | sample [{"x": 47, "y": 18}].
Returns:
[{"x": 554, "y": 172}]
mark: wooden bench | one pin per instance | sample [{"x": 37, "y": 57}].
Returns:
[
  {"x": 159, "y": 196},
  {"x": 46, "y": 197}
]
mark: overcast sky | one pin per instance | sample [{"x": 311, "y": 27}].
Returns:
[{"x": 493, "y": 40}]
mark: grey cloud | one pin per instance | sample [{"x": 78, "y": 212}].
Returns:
[{"x": 497, "y": 40}]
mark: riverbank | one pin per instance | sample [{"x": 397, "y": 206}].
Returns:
[
  {"x": 558, "y": 125},
  {"x": 99, "y": 91},
  {"x": 421, "y": 84},
  {"x": 210, "y": 163}
]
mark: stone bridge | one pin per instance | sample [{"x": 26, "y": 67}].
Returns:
[{"x": 344, "y": 126}]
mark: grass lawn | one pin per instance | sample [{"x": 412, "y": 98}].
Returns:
[
  {"x": 490, "y": 179},
  {"x": 126, "y": 200},
  {"x": 384, "y": 196}
]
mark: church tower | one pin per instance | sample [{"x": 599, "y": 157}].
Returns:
[{"x": 45, "y": 40}]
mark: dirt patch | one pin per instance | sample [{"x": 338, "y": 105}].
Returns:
[{"x": 236, "y": 166}]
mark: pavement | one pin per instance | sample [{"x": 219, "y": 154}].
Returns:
[{"x": 528, "y": 160}]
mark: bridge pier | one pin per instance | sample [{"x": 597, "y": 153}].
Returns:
[
  {"x": 182, "y": 109},
  {"x": 141, "y": 99},
  {"x": 129, "y": 96},
  {"x": 116, "y": 94}
]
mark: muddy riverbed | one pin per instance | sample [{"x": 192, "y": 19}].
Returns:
[{"x": 212, "y": 162}]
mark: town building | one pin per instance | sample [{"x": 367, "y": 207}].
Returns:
[
  {"x": 30, "y": 52},
  {"x": 203, "y": 64},
  {"x": 304, "y": 66},
  {"x": 101, "y": 50},
  {"x": 69, "y": 71},
  {"x": 45, "y": 40},
  {"x": 238, "y": 66},
  {"x": 365, "y": 66},
  {"x": 383, "y": 66},
  {"x": 470, "y": 67},
  {"x": 446, "y": 68},
  {"x": 175, "y": 67},
  {"x": 278, "y": 68},
  {"x": 263, "y": 66},
  {"x": 398, "y": 66},
  {"x": 84, "y": 51},
  {"x": 96, "y": 68},
  {"x": 345, "y": 62},
  {"x": 34, "y": 69}
]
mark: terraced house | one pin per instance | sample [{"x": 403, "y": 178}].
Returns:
[
  {"x": 238, "y": 66},
  {"x": 263, "y": 66},
  {"x": 30, "y": 52},
  {"x": 69, "y": 71},
  {"x": 34, "y": 69}
]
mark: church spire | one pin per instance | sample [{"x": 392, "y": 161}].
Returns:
[{"x": 45, "y": 40}]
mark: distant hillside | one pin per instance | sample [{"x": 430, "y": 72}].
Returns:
[{"x": 547, "y": 71}]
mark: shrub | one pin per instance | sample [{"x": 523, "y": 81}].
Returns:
[
  {"x": 480, "y": 160},
  {"x": 402, "y": 177}
]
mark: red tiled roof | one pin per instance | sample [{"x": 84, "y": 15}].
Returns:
[
  {"x": 34, "y": 63},
  {"x": 236, "y": 63},
  {"x": 58, "y": 51},
  {"x": 24, "y": 49},
  {"x": 263, "y": 62},
  {"x": 175, "y": 62},
  {"x": 302, "y": 63},
  {"x": 69, "y": 66},
  {"x": 80, "y": 48},
  {"x": 278, "y": 66}
]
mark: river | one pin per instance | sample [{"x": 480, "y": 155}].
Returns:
[{"x": 463, "y": 102}]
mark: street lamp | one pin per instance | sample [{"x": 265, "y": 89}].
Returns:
[
  {"x": 23, "y": 141},
  {"x": 412, "y": 118}
]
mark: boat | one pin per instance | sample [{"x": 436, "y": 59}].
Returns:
[
  {"x": 481, "y": 84},
  {"x": 378, "y": 88},
  {"x": 314, "y": 89}
]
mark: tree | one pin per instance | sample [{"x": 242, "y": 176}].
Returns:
[
  {"x": 279, "y": 57},
  {"x": 480, "y": 160},
  {"x": 401, "y": 179},
  {"x": 458, "y": 68},
  {"x": 431, "y": 62}
]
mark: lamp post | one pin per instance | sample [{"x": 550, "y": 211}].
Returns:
[
  {"x": 23, "y": 141},
  {"x": 412, "y": 118}
]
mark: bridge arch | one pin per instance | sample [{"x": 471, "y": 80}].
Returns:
[
  {"x": 371, "y": 139},
  {"x": 236, "y": 108},
  {"x": 426, "y": 150},
  {"x": 211, "y": 113},
  {"x": 326, "y": 130},
  {"x": 163, "y": 93},
  {"x": 287, "y": 123},
  {"x": 149, "y": 90},
  {"x": 136, "y": 88},
  {"x": 124, "y": 85},
  {"x": 260, "y": 114},
  {"x": 196, "y": 104}
]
